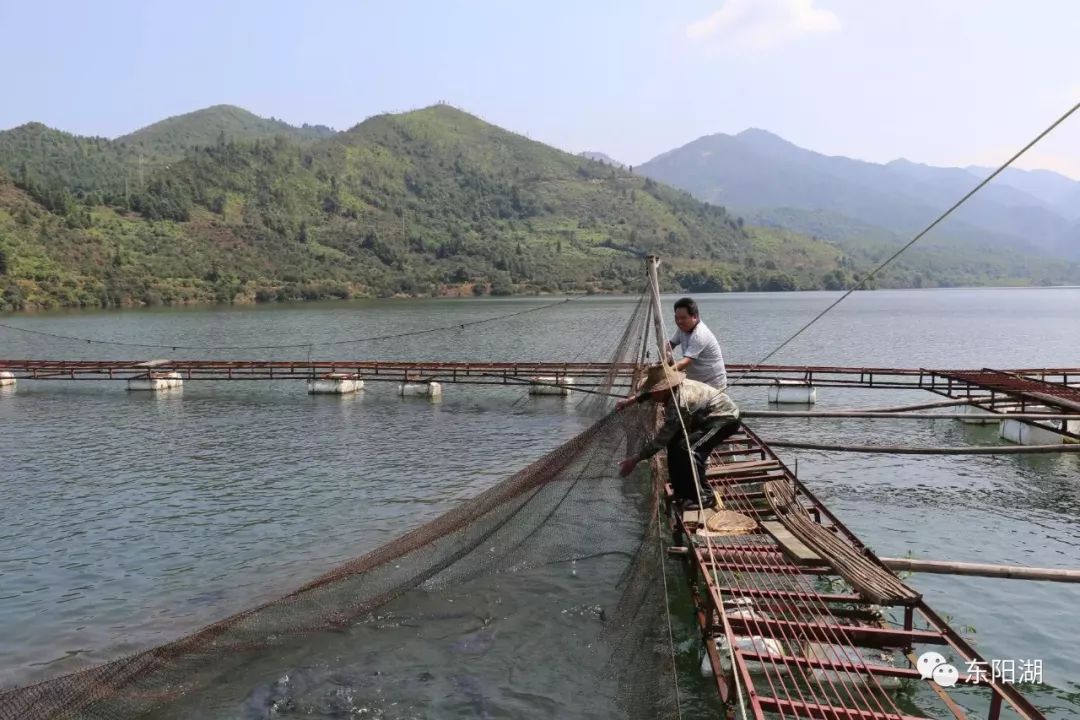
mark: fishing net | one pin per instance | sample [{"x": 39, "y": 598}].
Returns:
[{"x": 555, "y": 573}]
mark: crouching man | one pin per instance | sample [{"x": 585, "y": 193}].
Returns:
[{"x": 710, "y": 417}]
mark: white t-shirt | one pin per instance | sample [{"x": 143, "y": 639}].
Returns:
[{"x": 701, "y": 345}]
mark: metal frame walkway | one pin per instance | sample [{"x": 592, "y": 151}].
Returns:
[
  {"x": 795, "y": 627},
  {"x": 938, "y": 381}
]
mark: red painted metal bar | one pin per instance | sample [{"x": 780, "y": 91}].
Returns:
[
  {"x": 1017, "y": 387},
  {"x": 862, "y": 635},
  {"x": 792, "y": 595},
  {"x": 879, "y": 670},
  {"x": 1024, "y": 388},
  {"x": 861, "y": 376},
  {"x": 826, "y": 712},
  {"x": 742, "y": 568}
]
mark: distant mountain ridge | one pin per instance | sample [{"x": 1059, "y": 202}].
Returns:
[
  {"x": 759, "y": 172},
  {"x": 221, "y": 205},
  {"x": 215, "y": 206}
]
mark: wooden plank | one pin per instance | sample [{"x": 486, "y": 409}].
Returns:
[
  {"x": 742, "y": 467},
  {"x": 796, "y": 550},
  {"x": 724, "y": 482}
]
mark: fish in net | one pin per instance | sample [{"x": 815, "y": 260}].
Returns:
[{"x": 541, "y": 597}]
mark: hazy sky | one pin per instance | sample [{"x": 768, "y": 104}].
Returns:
[{"x": 936, "y": 81}]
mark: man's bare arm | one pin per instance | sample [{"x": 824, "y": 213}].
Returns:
[{"x": 684, "y": 363}]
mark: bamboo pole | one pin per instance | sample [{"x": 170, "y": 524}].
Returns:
[
  {"x": 652, "y": 264},
  {"x": 1015, "y": 572},
  {"x": 909, "y": 450},
  {"x": 906, "y": 415},
  {"x": 925, "y": 406}
]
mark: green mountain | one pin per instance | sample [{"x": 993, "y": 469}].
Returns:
[
  {"x": 209, "y": 126},
  {"x": 57, "y": 167},
  {"x": 756, "y": 171},
  {"x": 934, "y": 263},
  {"x": 428, "y": 202}
]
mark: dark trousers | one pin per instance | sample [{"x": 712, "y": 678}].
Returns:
[{"x": 680, "y": 472}]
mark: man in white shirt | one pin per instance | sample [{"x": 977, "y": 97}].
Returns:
[{"x": 701, "y": 356}]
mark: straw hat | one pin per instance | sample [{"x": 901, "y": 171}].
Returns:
[{"x": 661, "y": 377}]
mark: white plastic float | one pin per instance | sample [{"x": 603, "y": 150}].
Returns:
[
  {"x": 421, "y": 389},
  {"x": 6, "y": 378},
  {"x": 1025, "y": 433},
  {"x": 335, "y": 384},
  {"x": 550, "y": 385},
  {"x": 977, "y": 416},
  {"x": 792, "y": 392},
  {"x": 155, "y": 382}
]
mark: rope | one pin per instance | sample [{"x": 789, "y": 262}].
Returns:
[
  {"x": 716, "y": 580},
  {"x": 667, "y": 607},
  {"x": 350, "y": 341},
  {"x": 1001, "y": 168},
  {"x": 701, "y": 505}
]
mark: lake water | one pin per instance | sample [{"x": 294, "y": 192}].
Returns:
[{"x": 129, "y": 519}]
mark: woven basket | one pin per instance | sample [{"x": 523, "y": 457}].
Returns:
[{"x": 727, "y": 522}]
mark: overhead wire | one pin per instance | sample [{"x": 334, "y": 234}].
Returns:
[
  {"x": 869, "y": 276},
  {"x": 309, "y": 344},
  {"x": 697, "y": 489}
]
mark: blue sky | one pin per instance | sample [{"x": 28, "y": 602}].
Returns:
[{"x": 956, "y": 82}]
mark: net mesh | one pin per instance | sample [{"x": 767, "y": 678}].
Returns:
[{"x": 346, "y": 644}]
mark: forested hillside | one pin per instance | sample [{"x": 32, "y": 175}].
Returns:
[
  {"x": 429, "y": 202},
  {"x": 220, "y": 205}
]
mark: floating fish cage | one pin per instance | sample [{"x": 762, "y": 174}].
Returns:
[
  {"x": 335, "y": 384},
  {"x": 792, "y": 392},
  {"x": 550, "y": 385},
  {"x": 155, "y": 382}
]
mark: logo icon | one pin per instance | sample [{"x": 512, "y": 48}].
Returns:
[{"x": 932, "y": 665}]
